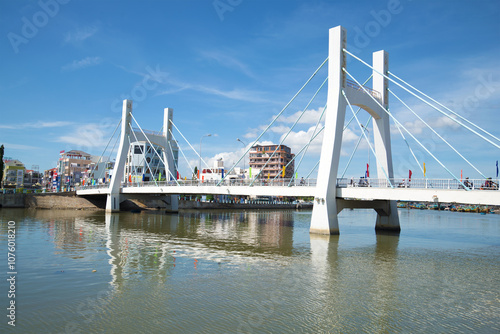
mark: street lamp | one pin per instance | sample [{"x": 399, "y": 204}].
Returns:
[
  {"x": 209, "y": 135},
  {"x": 244, "y": 145}
]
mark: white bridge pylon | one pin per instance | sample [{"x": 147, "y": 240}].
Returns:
[
  {"x": 330, "y": 193},
  {"x": 324, "y": 216},
  {"x": 161, "y": 139}
]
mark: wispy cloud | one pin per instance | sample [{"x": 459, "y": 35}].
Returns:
[
  {"x": 86, "y": 136},
  {"x": 80, "y": 34},
  {"x": 19, "y": 146},
  {"x": 228, "y": 61},
  {"x": 35, "y": 125},
  {"x": 233, "y": 94},
  {"x": 85, "y": 62}
]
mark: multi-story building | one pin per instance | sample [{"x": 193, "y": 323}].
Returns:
[
  {"x": 49, "y": 182},
  {"x": 33, "y": 179},
  {"x": 71, "y": 168},
  {"x": 13, "y": 174},
  {"x": 260, "y": 154},
  {"x": 143, "y": 164},
  {"x": 100, "y": 171}
]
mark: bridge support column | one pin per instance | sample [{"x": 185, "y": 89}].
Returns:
[
  {"x": 172, "y": 202},
  {"x": 388, "y": 221},
  {"x": 113, "y": 199},
  {"x": 113, "y": 203},
  {"x": 324, "y": 216}
]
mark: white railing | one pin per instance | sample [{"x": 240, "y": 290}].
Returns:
[
  {"x": 352, "y": 84},
  {"x": 472, "y": 184}
]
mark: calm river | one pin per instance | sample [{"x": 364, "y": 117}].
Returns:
[{"x": 250, "y": 272}]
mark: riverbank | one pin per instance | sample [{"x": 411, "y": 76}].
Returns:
[{"x": 69, "y": 200}]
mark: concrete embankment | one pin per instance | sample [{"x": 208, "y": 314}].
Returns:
[{"x": 69, "y": 200}]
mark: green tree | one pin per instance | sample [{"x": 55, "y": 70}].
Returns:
[
  {"x": 195, "y": 173},
  {"x": 2, "y": 148}
]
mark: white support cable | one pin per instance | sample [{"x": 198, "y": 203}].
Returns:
[
  {"x": 156, "y": 152},
  {"x": 421, "y": 99},
  {"x": 302, "y": 149},
  {"x": 312, "y": 170},
  {"x": 290, "y": 130},
  {"x": 144, "y": 155},
  {"x": 187, "y": 141},
  {"x": 182, "y": 151},
  {"x": 440, "y": 104},
  {"x": 315, "y": 128},
  {"x": 356, "y": 147},
  {"x": 104, "y": 151},
  {"x": 396, "y": 121},
  {"x": 307, "y": 145},
  {"x": 274, "y": 120},
  {"x": 366, "y": 138},
  {"x": 437, "y": 134},
  {"x": 172, "y": 151},
  {"x": 132, "y": 167},
  {"x": 413, "y": 154}
]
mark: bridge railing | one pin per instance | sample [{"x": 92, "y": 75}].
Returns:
[
  {"x": 352, "y": 84},
  {"x": 472, "y": 184},
  {"x": 227, "y": 182}
]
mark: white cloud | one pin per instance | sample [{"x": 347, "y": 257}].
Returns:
[
  {"x": 35, "y": 125},
  {"x": 297, "y": 140},
  {"x": 279, "y": 129},
  {"x": 224, "y": 59},
  {"x": 80, "y": 34},
  {"x": 87, "y": 136},
  {"x": 9, "y": 146},
  {"x": 311, "y": 116},
  {"x": 82, "y": 63}
]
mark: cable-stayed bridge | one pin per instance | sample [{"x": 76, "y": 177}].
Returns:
[{"x": 332, "y": 192}]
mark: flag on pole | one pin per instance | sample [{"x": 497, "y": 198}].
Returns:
[
  {"x": 425, "y": 170},
  {"x": 283, "y": 173},
  {"x": 296, "y": 175},
  {"x": 367, "y": 170},
  {"x": 268, "y": 175},
  {"x": 249, "y": 172},
  {"x": 497, "y": 168},
  {"x": 461, "y": 175},
  {"x": 409, "y": 176}
]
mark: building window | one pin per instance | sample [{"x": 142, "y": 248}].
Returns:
[{"x": 138, "y": 149}]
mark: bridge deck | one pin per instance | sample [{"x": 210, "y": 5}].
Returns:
[{"x": 444, "y": 191}]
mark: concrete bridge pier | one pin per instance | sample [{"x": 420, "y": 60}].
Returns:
[
  {"x": 388, "y": 220},
  {"x": 172, "y": 202},
  {"x": 113, "y": 202}
]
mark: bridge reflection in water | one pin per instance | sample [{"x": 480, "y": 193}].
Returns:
[{"x": 261, "y": 271}]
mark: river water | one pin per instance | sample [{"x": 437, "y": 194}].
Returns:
[{"x": 251, "y": 272}]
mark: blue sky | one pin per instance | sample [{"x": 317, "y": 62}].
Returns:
[{"x": 228, "y": 66}]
